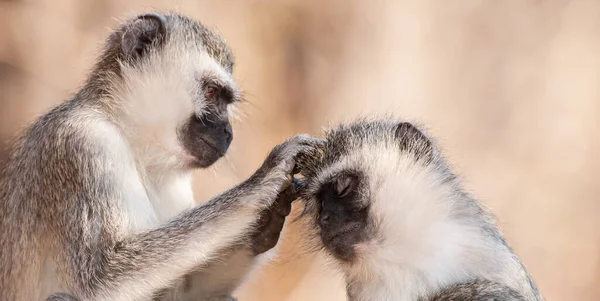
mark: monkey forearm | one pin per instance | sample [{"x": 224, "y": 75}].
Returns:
[
  {"x": 221, "y": 277},
  {"x": 146, "y": 262},
  {"x": 106, "y": 267}
]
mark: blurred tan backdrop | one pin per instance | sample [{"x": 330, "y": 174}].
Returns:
[{"x": 509, "y": 87}]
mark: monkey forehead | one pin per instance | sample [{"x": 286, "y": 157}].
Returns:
[
  {"x": 348, "y": 138},
  {"x": 368, "y": 147},
  {"x": 374, "y": 162},
  {"x": 345, "y": 138},
  {"x": 186, "y": 30}
]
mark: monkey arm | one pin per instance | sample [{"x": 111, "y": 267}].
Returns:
[
  {"x": 104, "y": 263},
  {"x": 216, "y": 280},
  {"x": 224, "y": 274},
  {"x": 136, "y": 266}
]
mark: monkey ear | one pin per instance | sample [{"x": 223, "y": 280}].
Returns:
[
  {"x": 410, "y": 138},
  {"x": 144, "y": 32},
  {"x": 344, "y": 184}
]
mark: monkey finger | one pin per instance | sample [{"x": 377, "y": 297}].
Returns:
[
  {"x": 276, "y": 224},
  {"x": 305, "y": 139},
  {"x": 286, "y": 208},
  {"x": 317, "y": 142},
  {"x": 283, "y": 204},
  {"x": 263, "y": 245},
  {"x": 298, "y": 184},
  {"x": 286, "y": 184},
  {"x": 310, "y": 146},
  {"x": 283, "y": 208},
  {"x": 271, "y": 241},
  {"x": 263, "y": 221},
  {"x": 296, "y": 169}
]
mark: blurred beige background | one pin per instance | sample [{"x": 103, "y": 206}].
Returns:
[{"x": 511, "y": 89}]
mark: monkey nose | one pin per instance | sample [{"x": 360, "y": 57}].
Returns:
[{"x": 228, "y": 133}]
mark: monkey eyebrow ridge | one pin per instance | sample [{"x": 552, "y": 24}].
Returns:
[{"x": 229, "y": 92}]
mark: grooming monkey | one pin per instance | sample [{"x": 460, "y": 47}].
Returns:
[
  {"x": 390, "y": 213},
  {"x": 96, "y": 199}
]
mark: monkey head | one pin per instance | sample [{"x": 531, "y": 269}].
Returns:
[
  {"x": 363, "y": 182},
  {"x": 170, "y": 82}
]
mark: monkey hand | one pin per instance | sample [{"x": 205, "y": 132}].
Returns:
[
  {"x": 276, "y": 171},
  {"x": 270, "y": 223},
  {"x": 309, "y": 162}
]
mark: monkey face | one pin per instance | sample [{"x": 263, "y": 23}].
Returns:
[
  {"x": 351, "y": 186},
  {"x": 343, "y": 214},
  {"x": 206, "y": 140},
  {"x": 177, "y": 75},
  {"x": 207, "y": 134}
]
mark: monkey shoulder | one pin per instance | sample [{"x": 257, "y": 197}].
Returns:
[{"x": 69, "y": 157}]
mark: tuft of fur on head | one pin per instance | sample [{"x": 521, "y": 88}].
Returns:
[
  {"x": 382, "y": 202},
  {"x": 345, "y": 139}
]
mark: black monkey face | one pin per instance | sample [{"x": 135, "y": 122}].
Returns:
[
  {"x": 343, "y": 214},
  {"x": 207, "y": 134},
  {"x": 344, "y": 182},
  {"x": 206, "y": 140}
]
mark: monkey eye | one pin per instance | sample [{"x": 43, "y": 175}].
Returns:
[
  {"x": 210, "y": 91},
  {"x": 344, "y": 185}
]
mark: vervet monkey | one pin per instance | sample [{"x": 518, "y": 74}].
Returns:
[
  {"x": 388, "y": 210},
  {"x": 96, "y": 199}
]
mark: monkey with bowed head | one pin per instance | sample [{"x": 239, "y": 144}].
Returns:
[
  {"x": 389, "y": 212},
  {"x": 96, "y": 200}
]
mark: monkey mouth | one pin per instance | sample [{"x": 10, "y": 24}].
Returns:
[
  {"x": 333, "y": 238},
  {"x": 212, "y": 147},
  {"x": 341, "y": 244},
  {"x": 217, "y": 150},
  {"x": 206, "y": 153}
]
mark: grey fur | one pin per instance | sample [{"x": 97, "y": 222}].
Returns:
[
  {"x": 477, "y": 291},
  {"x": 61, "y": 297},
  {"x": 354, "y": 222},
  {"x": 62, "y": 197},
  {"x": 177, "y": 28}
]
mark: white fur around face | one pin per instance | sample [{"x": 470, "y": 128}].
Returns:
[
  {"x": 151, "y": 102},
  {"x": 148, "y": 199},
  {"x": 154, "y": 101},
  {"x": 158, "y": 96}
]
